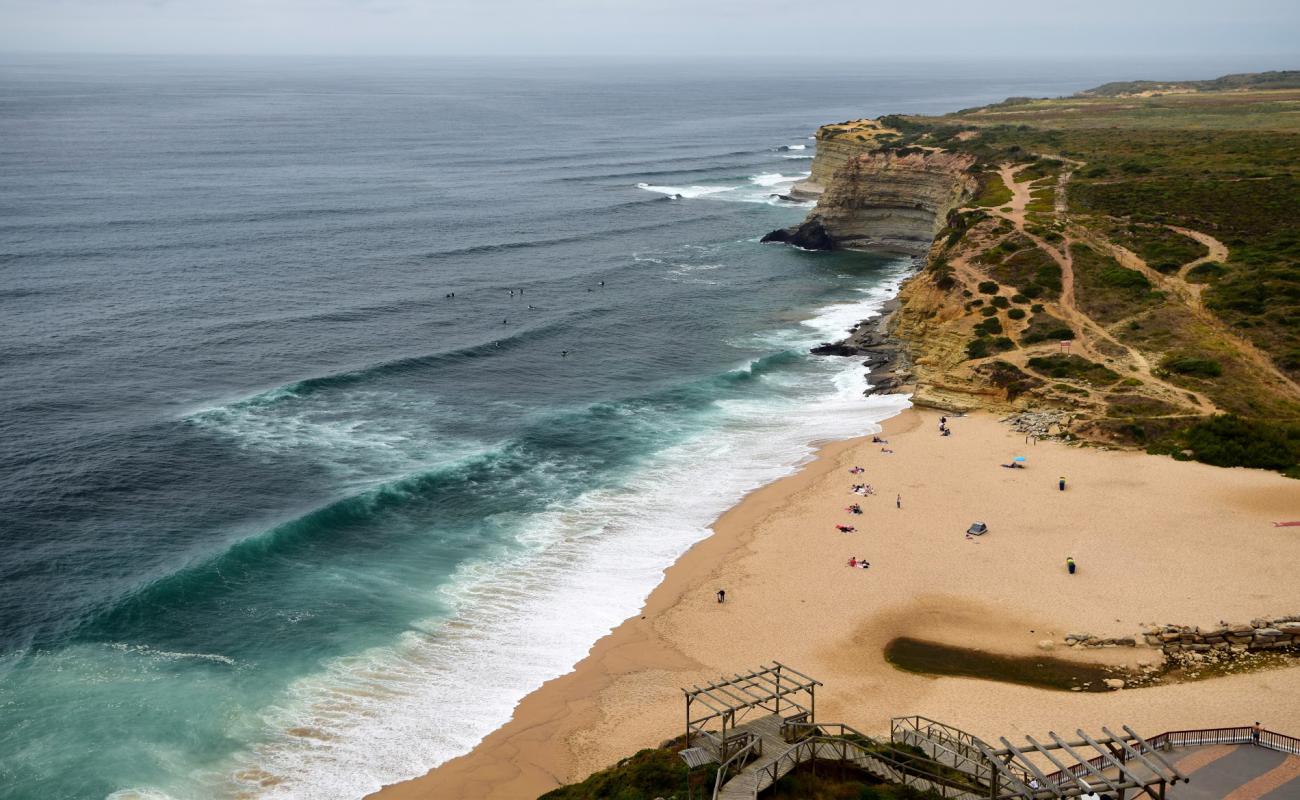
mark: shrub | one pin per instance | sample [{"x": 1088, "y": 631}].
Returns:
[
  {"x": 1001, "y": 302},
  {"x": 1072, "y": 366},
  {"x": 988, "y": 287},
  {"x": 978, "y": 348},
  {"x": 1019, "y": 298},
  {"x": 1227, "y": 440},
  {"x": 988, "y": 311},
  {"x": 1016, "y": 313},
  {"x": 1190, "y": 365},
  {"x": 989, "y": 326},
  {"x": 1037, "y": 308}
]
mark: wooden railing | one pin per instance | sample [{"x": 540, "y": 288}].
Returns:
[
  {"x": 846, "y": 743},
  {"x": 752, "y": 748},
  {"x": 1195, "y": 738}
]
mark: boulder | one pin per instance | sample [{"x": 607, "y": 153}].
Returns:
[
  {"x": 810, "y": 235},
  {"x": 1114, "y": 683}
]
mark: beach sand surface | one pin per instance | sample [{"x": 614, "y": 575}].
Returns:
[{"x": 1156, "y": 541}]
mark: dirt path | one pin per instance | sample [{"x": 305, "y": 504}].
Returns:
[
  {"x": 1191, "y": 297},
  {"x": 1088, "y": 332}
]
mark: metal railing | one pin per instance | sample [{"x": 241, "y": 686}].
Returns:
[{"x": 1196, "y": 737}]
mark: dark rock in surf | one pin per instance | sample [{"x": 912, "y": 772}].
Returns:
[{"x": 810, "y": 235}]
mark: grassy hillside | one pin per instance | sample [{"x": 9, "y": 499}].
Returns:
[{"x": 1160, "y": 233}]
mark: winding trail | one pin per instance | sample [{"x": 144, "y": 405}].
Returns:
[{"x": 1087, "y": 330}]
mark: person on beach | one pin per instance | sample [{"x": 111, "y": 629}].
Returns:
[
  {"x": 898, "y": 501},
  {"x": 1255, "y": 731},
  {"x": 853, "y": 561},
  {"x": 1061, "y": 484},
  {"x": 722, "y": 595},
  {"x": 1069, "y": 564}
]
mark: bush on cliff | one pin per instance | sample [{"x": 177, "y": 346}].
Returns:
[
  {"x": 653, "y": 772},
  {"x": 1227, "y": 440}
]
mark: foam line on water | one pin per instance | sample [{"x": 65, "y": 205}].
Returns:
[{"x": 394, "y": 712}]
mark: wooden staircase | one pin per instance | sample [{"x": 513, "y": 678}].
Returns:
[{"x": 778, "y": 757}]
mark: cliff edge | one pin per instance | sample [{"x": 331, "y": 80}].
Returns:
[{"x": 1099, "y": 260}]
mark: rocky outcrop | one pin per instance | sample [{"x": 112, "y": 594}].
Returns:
[
  {"x": 891, "y": 200},
  {"x": 810, "y": 235}
]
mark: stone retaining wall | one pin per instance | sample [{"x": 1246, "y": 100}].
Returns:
[
  {"x": 1258, "y": 634},
  {"x": 1276, "y": 633}
]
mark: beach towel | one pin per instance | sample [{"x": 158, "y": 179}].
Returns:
[{"x": 1295, "y": 524}]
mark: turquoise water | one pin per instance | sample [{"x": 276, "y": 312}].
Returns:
[{"x": 283, "y": 518}]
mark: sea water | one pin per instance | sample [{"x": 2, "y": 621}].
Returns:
[{"x": 346, "y": 402}]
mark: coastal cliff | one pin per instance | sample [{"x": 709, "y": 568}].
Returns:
[
  {"x": 1099, "y": 261},
  {"x": 882, "y": 199}
]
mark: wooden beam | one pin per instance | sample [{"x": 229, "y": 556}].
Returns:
[
  {"x": 1137, "y": 754},
  {"x": 1123, "y": 770},
  {"x": 1017, "y": 784},
  {"x": 797, "y": 672},
  {"x": 1178, "y": 776},
  {"x": 1066, "y": 771},
  {"x": 1032, "y": 767},
  {"x": 1075, "y": 755}
]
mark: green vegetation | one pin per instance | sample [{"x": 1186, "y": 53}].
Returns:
[
  {"x": 1044, "y": 327},
  {"x": 988, "y": 287},
  {"x": 653, "y": 772},
  {"x": 1207, "y": 272},
  {"x": 1230, "y": 441},
  {"x": 1009, "y": 377},
  {"x": 1163, "y": 250},
  {"x": 1107, "y": 291},
  {"x": 1284, "y": 79},
  {"x": 992, "y": 192},
  {"x": 849, "y": 783},
  {"x": 1191, "y": 365},
  {"x": 1021, "y": 263},
  {"x": 1072, "y": 367},
  {"x": 1145, "y": 158}
]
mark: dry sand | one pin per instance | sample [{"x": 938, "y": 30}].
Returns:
[{"x": 1156, "y": 541}]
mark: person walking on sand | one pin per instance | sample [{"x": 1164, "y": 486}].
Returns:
[
  {"x": 1069, "y": 564},
  {"x": 722, "y": 595},
  {"x": 898, "y": 501},
  {"x": 1061, "y": 484}
]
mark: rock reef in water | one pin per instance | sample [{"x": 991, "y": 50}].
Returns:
[{"x": 810, "y": 235}]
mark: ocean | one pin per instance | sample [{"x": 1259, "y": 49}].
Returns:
[{"x": 344, "y": 402}]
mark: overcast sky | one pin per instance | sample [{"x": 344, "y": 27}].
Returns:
[{"x": 756, "y": 29}]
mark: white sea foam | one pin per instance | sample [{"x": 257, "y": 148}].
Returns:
[
  {"x": 685, "y": 191},
  {"x": 774, "y": 179},
  {"x": 393, "y": 713},
  {"x": 796, "y": 147}
]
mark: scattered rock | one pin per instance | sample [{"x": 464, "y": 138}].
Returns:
[
  {"x": 1114, "y": 683},
  {"x": 1046, "y": 644}
]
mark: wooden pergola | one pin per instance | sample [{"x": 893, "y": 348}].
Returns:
[
  {"x": 777, "y": 689},
  {"x": 1122, "y": 765}
]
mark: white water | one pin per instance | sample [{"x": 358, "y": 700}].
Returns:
[{"x": 378, "y": 718}]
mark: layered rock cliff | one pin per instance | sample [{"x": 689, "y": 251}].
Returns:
[
  {"x": 836, "y": 145},
  {"x": 883, "y": 199},
  {"x": 887, "y": 200}
]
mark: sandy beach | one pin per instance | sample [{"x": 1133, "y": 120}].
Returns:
[{"x": 1156, "y": 541}]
